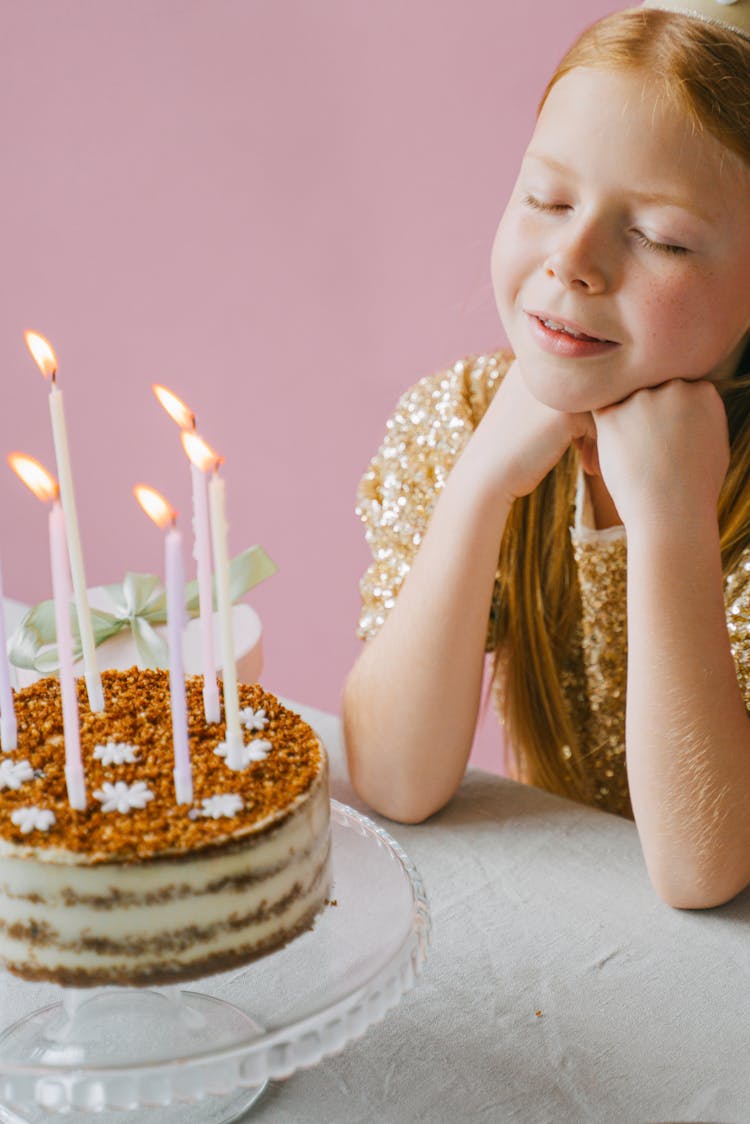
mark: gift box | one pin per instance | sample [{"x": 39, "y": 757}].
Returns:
[
  {"x": 120, "y": 652},
  {"x": 129, "y": 626}
]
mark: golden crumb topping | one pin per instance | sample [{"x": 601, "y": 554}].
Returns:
[{"x": 137, "y": 718}]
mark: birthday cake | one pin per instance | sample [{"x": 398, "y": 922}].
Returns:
[{"x": 137, "y": 889}]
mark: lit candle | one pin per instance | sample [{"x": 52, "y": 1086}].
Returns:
[
  {"x": 165, "y": 517},
  {"x": 205, "y": 458},
  {"x": 45, "y": 488},
  {"x": 8, "y": 724},
  {"x": 219, "y": 532},
  {"x": 45, "y": 359},
  {"x": 185, "y": 418}
]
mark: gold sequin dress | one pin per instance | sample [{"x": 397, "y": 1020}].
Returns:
[{"x": 424, "y": 437}]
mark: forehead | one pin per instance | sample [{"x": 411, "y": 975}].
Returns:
[{"x": 623, "y": 124}]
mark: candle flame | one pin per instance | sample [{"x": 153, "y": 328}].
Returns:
[
  {"x": 155, "y": 506},
  {"x": 175, "y": 407},
  {"x": 200, "y": 453},
  {"x": 42, "y": 352},
  {"x": 35, "y": 476}
]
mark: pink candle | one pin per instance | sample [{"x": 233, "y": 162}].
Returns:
[
  {"x": 183, "y": 777},
  {"x": 208, "y": 460},
  {"x": 8, "y": 725},
  {"x": 62, "y": 592},
  {"x": 164, "y": 516},
  {"x": 45, "y": 487},
  {"x": 185, "y": 418}
]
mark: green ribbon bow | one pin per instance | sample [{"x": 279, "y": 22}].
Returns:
[{"x": 140, "y": 604}]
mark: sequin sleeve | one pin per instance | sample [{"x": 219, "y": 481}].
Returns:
[
  {"x": 737, "y": 600},
  {"x": 596, "y": 692},
  {"x": 424, "y": 437}
]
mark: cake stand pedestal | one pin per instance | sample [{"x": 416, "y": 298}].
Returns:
[{"x": 205, "y": 1056}]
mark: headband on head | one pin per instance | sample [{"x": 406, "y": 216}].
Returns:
[{"x": 733, "y": 15}]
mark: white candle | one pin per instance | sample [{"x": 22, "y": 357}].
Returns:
[
  {"x": 183, "y": 777},
  {"x": 202, "y": 554},
  {"x": 61, "y": 594},
  {"x": 8, "y": 724},
  {"x": 219, "y": 529},
  {"x": 67, "y": 496}
]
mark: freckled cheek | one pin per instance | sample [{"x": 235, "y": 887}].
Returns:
[{"x": 675, "y": 316}]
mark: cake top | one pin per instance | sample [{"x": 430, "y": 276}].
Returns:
[{"x": 128, "y": 765}]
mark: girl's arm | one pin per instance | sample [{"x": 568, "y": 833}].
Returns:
[
  {"x": 411, "y": 701},
  {"x": 663, "y": 455}
]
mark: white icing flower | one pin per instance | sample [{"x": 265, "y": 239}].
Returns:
[
  {"x": 253, "y": 719},
  {"x": 30, "y": 818},
  {"x": 256, "y": 750},
  {"x": 14, "y": 773},
  {"x": 116, "y": 753},
  {"x": 227, "y": 804},
  {"x": 122, "y": 797}
]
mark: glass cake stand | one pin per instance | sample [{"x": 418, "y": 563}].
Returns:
[{"x": 204, "y": 1056}]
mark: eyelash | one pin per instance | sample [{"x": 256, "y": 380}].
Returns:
[
  {"x": 663, "y": 247},
  {"x": 538, "y": 205},
  {"x": 641, "y": 238}
]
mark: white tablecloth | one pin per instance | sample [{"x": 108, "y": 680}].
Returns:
[{"x": 558, "y": 988}]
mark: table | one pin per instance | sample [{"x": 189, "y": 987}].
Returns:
[{"x": 559, "y": 987}]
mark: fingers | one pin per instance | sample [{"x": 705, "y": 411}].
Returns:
[
  {"x": 670, "y": 386},
  {"x": 581, "y": 426},
  {"x": 590, "y": 457}
]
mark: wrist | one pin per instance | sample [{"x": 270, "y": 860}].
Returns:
[
  {"x": 691, "y": 530},
  {"x": 668, "y": 511},
  {"x": 484, "y": 481}
]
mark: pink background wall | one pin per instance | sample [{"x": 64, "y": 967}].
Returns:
[{"x": 281, "y": 209}]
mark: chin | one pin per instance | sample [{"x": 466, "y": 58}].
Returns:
[{"x": 566, "y": 396}]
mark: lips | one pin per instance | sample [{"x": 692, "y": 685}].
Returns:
[
  {"x": 569, "y": 327},
  {"x": 565, "y": 338}
]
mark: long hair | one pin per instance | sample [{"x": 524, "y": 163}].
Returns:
[{"x": 705, "y": 71}]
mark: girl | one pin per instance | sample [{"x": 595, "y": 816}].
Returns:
[{"x": 505, "y": 490}]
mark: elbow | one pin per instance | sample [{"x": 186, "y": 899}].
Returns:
[
  {"x": 409, "y": 807},
  {"x": 380, "y": 773},
  {"x": 697, "y": 889},
  {"x": 694, "y": 900},
  {"x": 387, "y": 795},
  {"x": 402, "y": 812}
]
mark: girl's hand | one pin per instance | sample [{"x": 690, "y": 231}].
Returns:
[
  {"x": 664, "y": 452},
  {"x": 521, "y": 439}
]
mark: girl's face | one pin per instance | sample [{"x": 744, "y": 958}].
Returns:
[{"x": 631, "y": 231}]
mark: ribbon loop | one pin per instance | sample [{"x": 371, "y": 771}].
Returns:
[{"x": 140, "y": 604}]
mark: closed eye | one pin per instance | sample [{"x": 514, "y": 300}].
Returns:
[
  {"x": 540, "y": 205},
  {"x": 662, "y": 247}
]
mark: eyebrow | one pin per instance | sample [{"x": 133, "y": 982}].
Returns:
[{"x": 657, "y": 197}]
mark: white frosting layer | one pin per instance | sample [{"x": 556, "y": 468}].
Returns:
[{"x": 194, "y": 907}]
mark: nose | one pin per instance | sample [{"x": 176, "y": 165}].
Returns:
[{"x": 577, "y": 262}]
